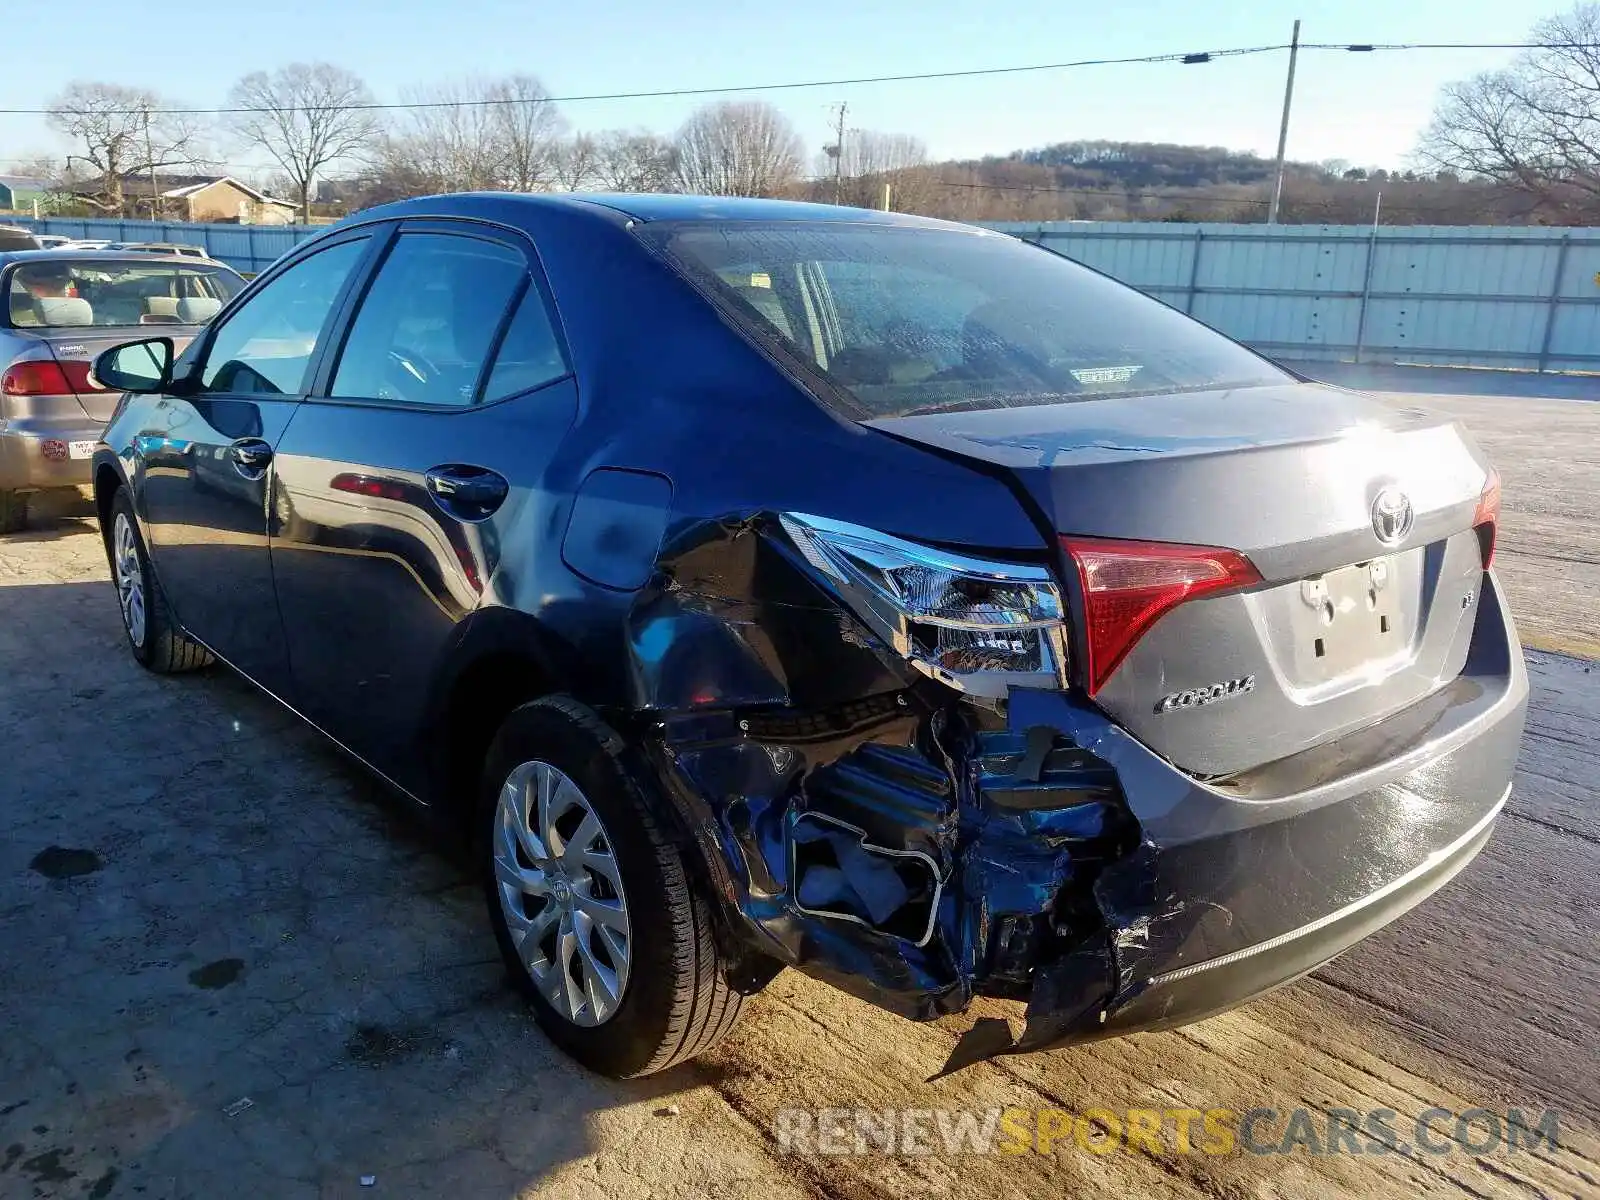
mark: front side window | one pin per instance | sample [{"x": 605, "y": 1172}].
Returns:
[
  {"x": 265, "y": 347},
  {"x": 63, "y": 292},
  {"x": 901, "y": 320},
  {"x": 426, "y": 328}
]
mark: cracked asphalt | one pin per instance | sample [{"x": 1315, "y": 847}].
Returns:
[{"x": 231, "y": 964}]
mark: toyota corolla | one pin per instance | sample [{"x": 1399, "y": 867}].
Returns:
[{"x": 764, "y": 585}]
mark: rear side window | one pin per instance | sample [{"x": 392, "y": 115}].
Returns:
[
  {"x": 530, "y": 356},
  {"x": 425, "y": 330},
  {"x": 898, "y": 320}
]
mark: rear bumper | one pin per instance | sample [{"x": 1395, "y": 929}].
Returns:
[
  {"x": 33, "y": 453},
  {"x": 1239, "y": 888},
  {"x": 1191, "y": 993}
]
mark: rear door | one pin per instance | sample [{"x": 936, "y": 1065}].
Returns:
[
  {"x": 399, "y": 477},
  {"x": 205, "y": 468}
]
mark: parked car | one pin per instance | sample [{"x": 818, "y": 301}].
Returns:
[
  {"x": 765, "y": 584},
  {"x": 85, "y": 244},
  {"x": 180, "y": 249},
  {"x": 62, "y": 308},
  {"x": 51, "y": 241},
  {"x": 13, "y": 237}
]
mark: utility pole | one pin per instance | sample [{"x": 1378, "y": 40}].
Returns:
[
  {"x": 1283, "y": 127},
  {"x": 150, "y": 157},
  {"x": 838, "y": 158}
]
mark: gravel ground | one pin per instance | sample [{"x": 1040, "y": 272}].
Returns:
[{"x": 229, "y": 963}]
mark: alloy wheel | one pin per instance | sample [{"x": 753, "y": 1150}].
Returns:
[
  {"x": 130, "y": 578},
  {"x": 561, "y": 893}
]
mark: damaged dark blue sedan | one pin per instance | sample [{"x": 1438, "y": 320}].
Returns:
[{"x": 765, "y": 585}]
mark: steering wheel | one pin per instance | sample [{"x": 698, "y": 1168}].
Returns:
[{"x": 411, "y": 370}]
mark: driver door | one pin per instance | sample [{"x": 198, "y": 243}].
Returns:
[{"x": 205, "y": 472}]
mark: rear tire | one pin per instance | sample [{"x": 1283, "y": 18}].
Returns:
[
  {"x": 153, "y": 636},
  {"x": 13, "y": 512},
  {"x": 675, "y": 999}
]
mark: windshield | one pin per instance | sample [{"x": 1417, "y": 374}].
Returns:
[
  {"x": 902, "y": 320},
  {"x": 60, "y": 293}
]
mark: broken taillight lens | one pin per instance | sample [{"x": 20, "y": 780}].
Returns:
[
  {"x": 982, "y": 626},
  {"x": 1128, "y": 586},
  {"x": 1487, "y": 517}
]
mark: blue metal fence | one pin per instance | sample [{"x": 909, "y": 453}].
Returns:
[{"x": 1526, "y": 298}]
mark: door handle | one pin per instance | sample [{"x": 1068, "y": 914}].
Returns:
[
  {"x": 251, "y": 457},
  {"x": 470, "y": 493}
]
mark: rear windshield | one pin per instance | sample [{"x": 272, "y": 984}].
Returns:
[
  {"x": 60, "y": 293},
  {"x": 901, "y": 320}
]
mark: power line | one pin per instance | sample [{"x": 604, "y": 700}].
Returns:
[
  {"x": 1189, "y": 58},
  {"x": 665, "y": 93}
]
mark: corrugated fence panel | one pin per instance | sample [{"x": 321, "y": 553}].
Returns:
[
  {"x": 1519, "y": 297},
  {"x": 1454, "y": 295}
]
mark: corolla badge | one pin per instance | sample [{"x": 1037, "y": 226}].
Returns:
[
  {"x": 1195, "y": 697},
  {"x": 1391, "y": 516}
]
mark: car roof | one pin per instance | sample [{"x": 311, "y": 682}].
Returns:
[{"x": 654, "y": 206}]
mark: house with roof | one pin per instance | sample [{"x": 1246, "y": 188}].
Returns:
[
  {"x": 226, "y": 199},
  {"x": 19, "y": 193},
  {"x": 216, "y": 198}
]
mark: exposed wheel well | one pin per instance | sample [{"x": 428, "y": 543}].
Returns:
[{"x": 482, "y": 697}]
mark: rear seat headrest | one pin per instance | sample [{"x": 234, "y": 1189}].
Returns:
[
  {"x": 63, "y": 310},
  {"x": 196, "y": 310}
]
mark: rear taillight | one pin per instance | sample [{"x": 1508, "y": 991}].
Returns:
[
  {"x": 1129, "y": 586},
  {"x": 1488, "y": 516},
  {"x": 47, "y": 377},
  {"x": 36, "y": 378}
]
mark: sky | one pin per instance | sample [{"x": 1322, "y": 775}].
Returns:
[{"x": 1368, "y": 109}]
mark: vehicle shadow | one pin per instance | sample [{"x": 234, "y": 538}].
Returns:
[
  {"x": 1453, "y": 381},
  {"x": 53, "y": 515},
  {"x": 226, "y": 954}
]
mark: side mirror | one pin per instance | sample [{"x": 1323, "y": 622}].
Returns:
[{"x": 144, "y": 366}]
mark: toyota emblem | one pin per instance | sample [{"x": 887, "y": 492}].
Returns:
[{"x": 1391, "y": 516}]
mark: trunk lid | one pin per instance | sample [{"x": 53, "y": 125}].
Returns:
[
  {"x": 1344, "y": 628},
  {"x": 76, "y": 348}
]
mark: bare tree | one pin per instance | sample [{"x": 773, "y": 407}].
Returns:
[
  {"x": 1535, "y": 126},
  {"x": 474, "y": 135},
  {"x": 738, "y": 148},
  {"x": 573, "y": 165},
  {"x": 449, "y": 142},
  {"x": 307, "y": 116},
  {"x": 873, "y": 161},
  {"x": 529, "y": 128},
  {"x": 122, "y": 131},
  {"x": 634, "y": 162}
]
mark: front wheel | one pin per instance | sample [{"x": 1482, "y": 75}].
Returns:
[{"x": 597, "y": 920}]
